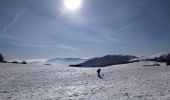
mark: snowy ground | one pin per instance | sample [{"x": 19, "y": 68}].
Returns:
[{"x": 121, "y": 82}]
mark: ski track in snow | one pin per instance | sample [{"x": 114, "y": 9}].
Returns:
[{"x": 121, "y": 82}]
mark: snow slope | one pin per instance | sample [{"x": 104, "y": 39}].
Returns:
[{"x": 121, "y": 82}]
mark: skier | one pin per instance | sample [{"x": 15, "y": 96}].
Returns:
[{"x": 98, "y": 73}]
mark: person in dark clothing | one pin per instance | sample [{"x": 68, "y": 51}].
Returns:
[{"x": 98, "y": 73}]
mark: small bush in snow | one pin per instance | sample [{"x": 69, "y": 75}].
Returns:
[
  {"x": 156, "y": 64},
  {"x": 23, "y": 62},
  {"x": 47, "y": 64},
  {"x": 15, "y": 62},
  {"x": 75, "y": 65},
  {"x": 168, "y": 63},
  {"x": 5, "y": 62}
]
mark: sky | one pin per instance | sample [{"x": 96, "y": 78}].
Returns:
[{"x": 38, "y": 29}]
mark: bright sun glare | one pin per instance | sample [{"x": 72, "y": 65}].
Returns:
[{"x": 72, "y": 4}]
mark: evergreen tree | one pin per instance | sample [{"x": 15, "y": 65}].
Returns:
[{"x": 1, "y": 58}]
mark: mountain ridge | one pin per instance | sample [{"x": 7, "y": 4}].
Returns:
[{"x": 107, "y": 61}]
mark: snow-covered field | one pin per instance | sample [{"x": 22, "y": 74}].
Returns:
[{"x": 121, "y": 82}]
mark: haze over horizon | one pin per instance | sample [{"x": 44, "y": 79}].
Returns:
[{"x": 35, "y": 29}]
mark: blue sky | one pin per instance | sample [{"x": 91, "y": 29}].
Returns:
[{"x": 34, "y": 29}]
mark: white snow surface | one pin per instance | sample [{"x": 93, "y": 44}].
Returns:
[{"x": 121, "y": 82}]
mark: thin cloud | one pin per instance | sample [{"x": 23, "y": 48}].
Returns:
[
  {"x": 64, "y": 46},
  {"x": 103, "y": 33},
  {"x": 134, "y": 23},
  {"x": 23, "y": 43},
  {"x": 17, "y": 16},
  {"x": 36, "y": 45}
]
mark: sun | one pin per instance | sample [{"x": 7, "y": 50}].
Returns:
[{"x": 72, "y": 4}]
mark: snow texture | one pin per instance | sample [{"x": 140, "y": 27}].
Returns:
[{"x": 121, "y": 82}]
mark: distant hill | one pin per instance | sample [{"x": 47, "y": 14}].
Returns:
[
  {"x": 104, "y": 61},
  {"x": 61, "y": 61},
  {"x": 107, "y": 60},
  {"x": 65, "y": 61}
]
